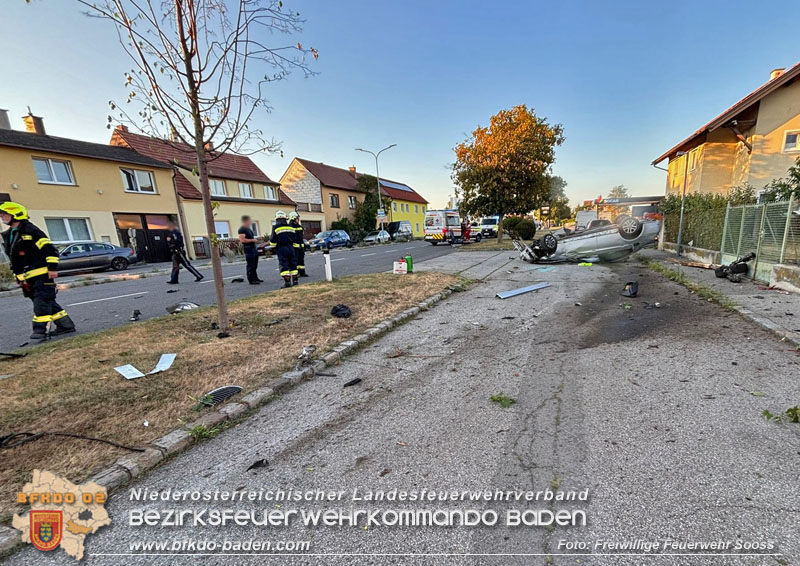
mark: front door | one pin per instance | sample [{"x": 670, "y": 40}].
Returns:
[{"x": 146, "y": 234}]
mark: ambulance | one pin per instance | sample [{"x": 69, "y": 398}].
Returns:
[{"x": 442, "y": 226}]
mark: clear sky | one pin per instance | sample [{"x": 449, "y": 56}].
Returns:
[{"x": 626, "y": 79}]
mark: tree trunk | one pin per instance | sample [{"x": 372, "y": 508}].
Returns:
[{"x": 500, "y": 228}]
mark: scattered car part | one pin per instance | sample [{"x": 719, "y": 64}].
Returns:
[
  {"x": 135, "y": 315},
  {"x": 352, "y": 382},
  {"x": 521, "y": 290},
  {"x": 237, "y": 280},
  {"x": 341, "y": 311},
  {"x": 219, "y": 395},
  {"x": 735, "y": 269},
  {"x": 305, "y": 356},
  {"x": 182, "y": 306},
  {"x": 263, "y": 463},
  {"x": 631, "y": 289},
  {"x": 13, "y": 355}
]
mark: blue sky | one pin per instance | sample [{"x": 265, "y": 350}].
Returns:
[{"x": 626, "y": 79}]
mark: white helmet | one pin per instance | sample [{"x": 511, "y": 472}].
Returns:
[
  {"x": 293, "y": 214},
  {"x": 280, "y": 214}
]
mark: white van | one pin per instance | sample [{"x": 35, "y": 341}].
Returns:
[{"x": 442, "y": 225}]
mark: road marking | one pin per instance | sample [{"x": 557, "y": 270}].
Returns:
[
  {"x": 108, "y": 298},
  {"x": 411, "y": 248},
  {"x": 339, "y": 259},
  {"x": 365, "y": 255}
]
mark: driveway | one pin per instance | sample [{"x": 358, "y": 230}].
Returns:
[{"x": 655, "y": 411}]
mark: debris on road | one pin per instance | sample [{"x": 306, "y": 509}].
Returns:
[
  {"x": 384, "y": 472},
  {"x": 631, "y": 289},
  {"x": 520, "y": 291},
  {"x": 172, "y": 291},
  {"x": 135, "y": 315},
  {"x": 222, "y": 335},
  {"x": 182, "y": 306},
  {"x": 352, "y": 382},
  {"x": 585, "y": 264},
  {"x": 305, "y": 356},
  {"x": 219, "y": 395},
  {"x": 237, "y": 280},
  {"x": 698, "y": 264},
  {"x": 341, "y": 311},
  {"x": 735, "y": 269},
  {"x": 13, "y": 355},
  {"x": 164, "y": 363},
  {"x": 129, "y": 371},
  {"x": 263, "y": 463},
  {"x": 401, "y": 443},
  {"x": 626, "y": 306}
]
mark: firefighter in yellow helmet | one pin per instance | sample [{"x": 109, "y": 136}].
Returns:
[
  {"x": 34, "y": 262},
  {"x": 282, "y": 241},
  {"x": 300, "y": 244}
]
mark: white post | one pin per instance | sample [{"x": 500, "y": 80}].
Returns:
[{"x": 328, "y": 272}]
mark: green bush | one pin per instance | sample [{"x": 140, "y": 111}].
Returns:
[
  {"x": 525, "y": 229},
  {"x": 7, "y": 280},
  {"x": 510, "y": 223}
]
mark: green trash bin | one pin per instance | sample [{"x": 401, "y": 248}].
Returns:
[{"x": 409, "y": 264}]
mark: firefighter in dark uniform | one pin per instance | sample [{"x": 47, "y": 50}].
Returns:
[
  {"x": 34, "y": 262},
  {"x": 282, "y": 241},
  {"x": 300, "y": 245}
]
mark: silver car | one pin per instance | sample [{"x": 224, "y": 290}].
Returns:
[
  {"x": 611, "y": 242},
  {"x": 377, "y": 237}
]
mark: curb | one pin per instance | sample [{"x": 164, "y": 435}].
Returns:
[{"x": 178, "y": 440}]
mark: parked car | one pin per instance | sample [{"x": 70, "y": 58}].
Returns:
[
  {"x": 377, "y": 237},
  {"x": 330, "y": 239},
  {"x": 264, "y": 248},
  {"x": 94, "y": 256},
  {"x": 400, "y": 231},
  {"x": 489, "y": 226},
  {"x": 611, "y": 242}
]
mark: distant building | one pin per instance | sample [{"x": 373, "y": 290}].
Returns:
[{"x": 754, "y": 141}]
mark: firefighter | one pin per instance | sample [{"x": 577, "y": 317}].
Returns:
[
  {"x": 34, "y": 262},
  {"x": 283, "y": 240},
  {"x": 299, "y": 245}
]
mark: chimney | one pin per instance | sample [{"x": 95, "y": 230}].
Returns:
[
  {"x": 34, "y": 124},
  {"x": 775, "y": 73},
  {"x": 5, "y": 124},
  {"x": 353, "y": 170}
]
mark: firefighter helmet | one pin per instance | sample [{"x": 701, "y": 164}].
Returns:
[
  {"x": 293, "y": 214},
  {"x": 280, "y": 214},
  {"x": 17, "y": 211}
]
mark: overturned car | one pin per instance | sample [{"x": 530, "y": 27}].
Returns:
[{"x": 609, "y": 242}]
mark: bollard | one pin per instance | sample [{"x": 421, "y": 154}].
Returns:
[
  {"x": 410, "y": 264},
  {"x": 328, "y": 273}
]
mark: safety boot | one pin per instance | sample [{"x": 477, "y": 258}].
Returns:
[{"x": 64, "y": 325}]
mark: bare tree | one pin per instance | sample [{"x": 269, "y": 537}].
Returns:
[{"x": 200, "y": 72}]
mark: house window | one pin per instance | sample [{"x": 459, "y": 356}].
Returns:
[
  {"x": 68, "y": 229},
  {"x": 417, "y": 228},
  {"x": 245, "y": 190},
  {"x": 270, "y": 193},
  {"x": 334, "y": 199},
  {"x": 394, "y": 207},
  {"x": 792, "y": 141},
  {"x": 416, "y": 209},
  {"x": 254, "y": 228},
  {"x": 423, "y": 210},
  {"x": 53, "y": 171},
  {"x": 352, "y": 202},
  {"x": 222, "y": 228},
  {"x": 693, "y": 159},
  {"x": 217, "y": 187},
  {"x": 137, "y": 181}
]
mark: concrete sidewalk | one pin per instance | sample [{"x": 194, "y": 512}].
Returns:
[{"x": 776, "y": 310}]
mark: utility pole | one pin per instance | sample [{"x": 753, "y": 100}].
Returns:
[{"x": 683, "y": 197}]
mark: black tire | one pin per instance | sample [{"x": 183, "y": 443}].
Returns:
[
  {"x": 329, "y": 246},
  {"x": 548, "y": 243},
  {"x": 119, "y": 263},
  {"x": 477, "y": 238},
  {"x": 628, "y": 226}
]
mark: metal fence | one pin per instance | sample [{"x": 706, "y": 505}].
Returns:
[{"x": 769, "y": 230}]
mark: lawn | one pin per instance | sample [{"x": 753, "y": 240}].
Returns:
[{"x": 70, "y": 385}]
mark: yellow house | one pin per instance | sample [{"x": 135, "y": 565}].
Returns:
[
  {"x": 237, "y": 185},
  {"x": 80, "y": 191},
  {"x": 754, "y": 141},
  {"x": 406, "y": 204},
  {"x": 325, "y": 193}
]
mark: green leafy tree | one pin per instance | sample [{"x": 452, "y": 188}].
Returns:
[
  {"x": 366, "y": 214},
  {"x": 781, "y": 189},
  {"x": 505, "y": 168}
]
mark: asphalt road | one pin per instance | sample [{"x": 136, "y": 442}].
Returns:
[
  {"x": 655, "y": 410},
  {"x": 95, "y": 307}
]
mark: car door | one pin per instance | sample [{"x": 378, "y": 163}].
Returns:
[
  {"x": 99, "y": 255},
  {"x": 74, "y": 257}
]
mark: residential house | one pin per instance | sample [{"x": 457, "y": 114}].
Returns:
[
  {"x": 325, "y": 193},
  {"x": 754, "y": 141},
  {"x": 81, "y": 191},
  {"x": 406, "y": 204},
  {"x": 236, "y": 184}
]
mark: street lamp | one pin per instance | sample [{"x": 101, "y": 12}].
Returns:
[
  {"x": 683, "y": 198},
  {"x": 378, "y": 174}
]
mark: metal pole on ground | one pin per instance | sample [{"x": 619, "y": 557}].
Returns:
[{"x": 685, "y": 155}]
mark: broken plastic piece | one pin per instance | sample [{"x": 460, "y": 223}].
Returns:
[
  {"x": 182, "y": 306},
  {"x": 128, "y": 372},
  {"x": 520, "y": 291},
  {"x": 263, "y": 463},
  {"x": 631, "y": 289},
  {"x": 352, "y": 382},
  {"x": 135, "y": 315},
  {"x": 164, "y": 363},
  {"x": 220, "y": 394},
  {"x": 341, "y": 311}
]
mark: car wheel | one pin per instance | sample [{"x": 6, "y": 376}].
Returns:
[
  {"x": 119, "y": 263},
  {"x": 628, "y": 226},
  {"x": 329, "y": 245},
  {"x": 548, "y": 243},
  {"x": 477, "y": 238}
]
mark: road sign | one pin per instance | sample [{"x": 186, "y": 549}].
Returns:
[{"x": 381, "y": 214}]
